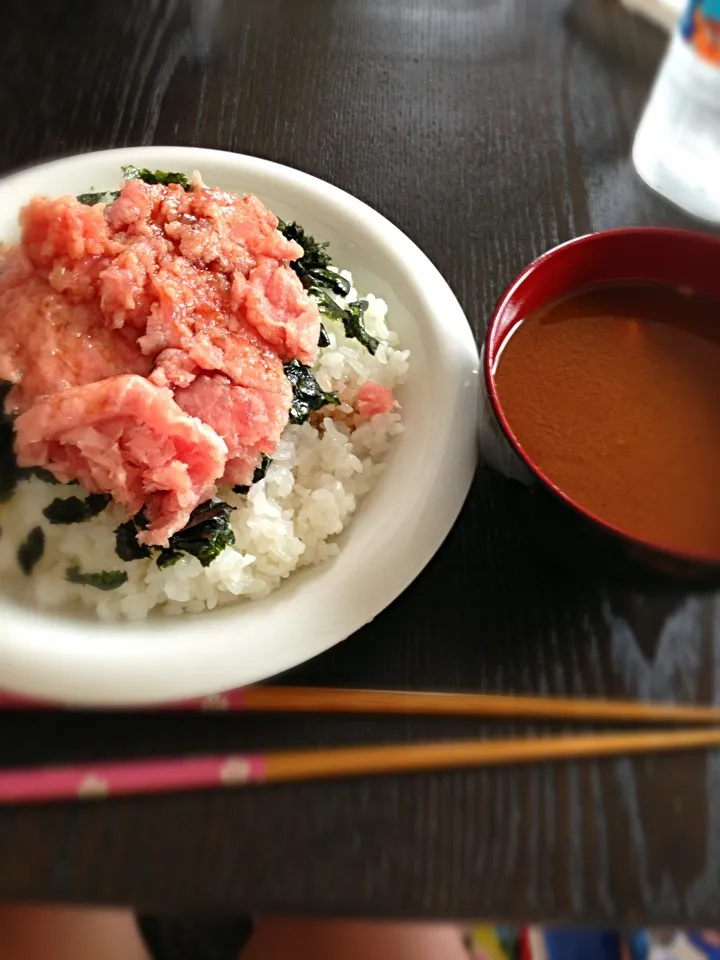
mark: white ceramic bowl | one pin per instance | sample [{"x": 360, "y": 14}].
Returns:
[{"x": 398, "y": 526}]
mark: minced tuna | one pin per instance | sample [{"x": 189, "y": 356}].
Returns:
[
  {"x": 373, "y": 398},
  {"x": 126, "y": 437},
  {"x": 165, "y": 314}
]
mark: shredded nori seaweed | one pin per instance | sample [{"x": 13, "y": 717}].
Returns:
[
  {"x": 104, "y": 580},
  {"x": 42, "y": 474},
  {"x": 8, "y": 464},
  {"x": 131, "y": 172},
  {"x": 31, "y": 550},
  {"x": 90, "y": 199},
  {"x": 168, "y": 558},
  {"x": 126, "y": 542},
  {"x": 329, "y": 280},
  {"x": 314, "y": 254},
  {"x": 75, "y": 510},
  {"x": 307, "y": 395},
  {"x": 206, "y": 534},
  {"x": 354, "y": 324},
  {"x": 320, "y": 282}
]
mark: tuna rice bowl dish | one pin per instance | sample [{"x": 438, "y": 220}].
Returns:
[{"x": 194, "y": 399}]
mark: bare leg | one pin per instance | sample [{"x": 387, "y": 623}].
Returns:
[
  {"x": 56, "y": 933},
  {"x": 351, "y": 940}
]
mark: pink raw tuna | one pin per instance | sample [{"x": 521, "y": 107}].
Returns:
[
  {"x": 59, "y": 234},
  {"x": 246, "y": 400},
  {"x": 126, "y": 437},
  {"x": 247, "y": 404},
  {"x": 248, "y": 420},
  {"x": 372, "y": 399},
  {"x": 70, "y": 343},
  {"x": 282, "y": 312},
  {"x": 174, "y": 266},
  {"x": 244, "y": 357},
  {"x": 186, "y": 251}
]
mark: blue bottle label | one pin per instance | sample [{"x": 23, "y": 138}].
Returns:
[{"x": 700, "y": 26}]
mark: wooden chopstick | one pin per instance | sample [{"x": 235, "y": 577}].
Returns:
[
  {"x": 418, "y": 703},
  {"x": 329, "y": 700},
  {"x": 172, "y": 775}
]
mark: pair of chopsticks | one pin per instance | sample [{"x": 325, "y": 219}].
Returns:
[{"x": 173, "y": 774}]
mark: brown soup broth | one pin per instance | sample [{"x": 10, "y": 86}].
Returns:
[{"x": 614, "y": 394}]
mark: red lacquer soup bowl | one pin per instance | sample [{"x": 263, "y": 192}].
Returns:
[{"x": 676, "y": 258}]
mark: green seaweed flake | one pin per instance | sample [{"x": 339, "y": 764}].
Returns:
[
  {"x": 103, "y": 580},
  {"x": 321, "y": 283},
  {"x": 75, "y": 510},
  {"x": 31, "y": 550},
  {"x": 307, "y": 394}
]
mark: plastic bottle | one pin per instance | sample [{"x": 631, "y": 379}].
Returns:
[{"x": 677, "y": 145}]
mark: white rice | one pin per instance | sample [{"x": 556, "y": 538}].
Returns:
[{"x": 288, "y": 520}]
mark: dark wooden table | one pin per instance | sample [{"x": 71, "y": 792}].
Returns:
[{"x": 488, "y": 130}]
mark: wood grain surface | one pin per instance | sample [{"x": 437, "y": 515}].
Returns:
[{"x": 488, "y": 130}]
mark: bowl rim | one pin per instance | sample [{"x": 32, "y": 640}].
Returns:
[
  {"x": 51, "y": 656},
  {"x": 672, "y": 234}
]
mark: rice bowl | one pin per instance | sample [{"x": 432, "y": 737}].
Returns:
[{"x": 396, "y": 529}]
